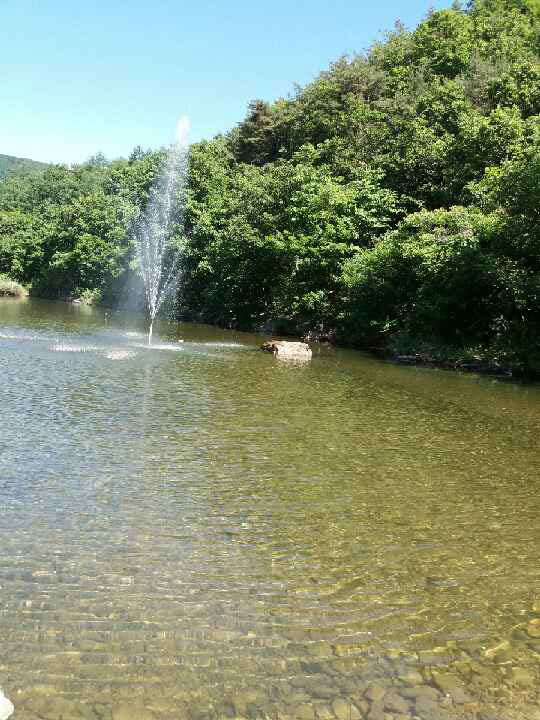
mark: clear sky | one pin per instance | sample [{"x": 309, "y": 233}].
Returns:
[{"x": 81, "y": 76}]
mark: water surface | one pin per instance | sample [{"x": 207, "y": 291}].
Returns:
[{"x": 198, "y": 530}]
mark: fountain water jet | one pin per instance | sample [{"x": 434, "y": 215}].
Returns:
[{"x": 154, "y": 230}]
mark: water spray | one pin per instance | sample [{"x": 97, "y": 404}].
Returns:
[{"x": 159, "y": 258}]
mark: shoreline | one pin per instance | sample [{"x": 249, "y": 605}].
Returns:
[{"x": 434, "y": 359}]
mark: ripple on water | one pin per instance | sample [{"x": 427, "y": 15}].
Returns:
[
  {"x": 187, "y": 537},
  {"x": 238, "y": 346},
  {"x": 19, "y": 336},
  {"x": 176, "y": 347}
]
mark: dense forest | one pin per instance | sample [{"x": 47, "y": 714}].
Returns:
[{"x": 392, "y": 203}]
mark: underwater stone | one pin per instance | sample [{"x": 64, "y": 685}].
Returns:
[
  {"x": 453, "y": 687},
  {"x": 395, "y": 703}
]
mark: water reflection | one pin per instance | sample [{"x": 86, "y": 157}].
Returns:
[{"x": 200, "y": 531}]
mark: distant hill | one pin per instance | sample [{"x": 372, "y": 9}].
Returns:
[{"x": 10, "y": 165}]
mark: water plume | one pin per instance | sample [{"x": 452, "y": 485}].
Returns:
[{"x": 157, "y": 248}]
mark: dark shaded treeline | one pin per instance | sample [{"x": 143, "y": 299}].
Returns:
[{"x": 392, "y": 202}]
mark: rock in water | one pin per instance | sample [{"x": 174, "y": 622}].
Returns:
[
  {"x": 6, "y": 707},
  {"x": 285, "y": 349}
]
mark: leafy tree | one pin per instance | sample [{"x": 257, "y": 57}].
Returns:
[
  {"x": 444, "y": 43},
  {"x": 21, "y": 251},
  {"x": 394, "y": 196},
  {"x": 430, "y": 277}
]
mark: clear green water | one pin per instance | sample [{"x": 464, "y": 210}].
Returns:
[{"x": 198, "y": 530}]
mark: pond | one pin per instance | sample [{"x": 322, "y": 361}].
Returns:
[{"x": 199, "y": 530}]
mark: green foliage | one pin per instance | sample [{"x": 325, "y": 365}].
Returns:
[
  {"x": 394, "y": 200},
  {"x": 512, "y": 190},
  {"x": 65, "y": 231},
  {"x": 444, "y": 43},
  {"x": 518, "y": 87},
  {"x": 269, "y": 241},
  {"x": 86, "y": 246},
  {"x": 21, "y": 250},
  {"x": 430, "y": 277},
  {"x": 11, "y": 166},
  {"x": 506, "y": 29},
  {"x": 394, "y": 196}
]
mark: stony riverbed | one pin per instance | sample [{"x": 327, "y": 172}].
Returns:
[{"x": 197, "y": 530}]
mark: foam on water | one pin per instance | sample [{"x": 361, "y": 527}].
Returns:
[
  {"x": 120, "y": 354},
  {"x": 75, "y": 348},
  {"x": 162, "y": 346},
  {"x": 113, "y": 353}
]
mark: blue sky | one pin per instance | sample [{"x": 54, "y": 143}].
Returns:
[{"x": 105, "y": 75}]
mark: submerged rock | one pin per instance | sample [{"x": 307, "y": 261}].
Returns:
[
  {"x": 345, "y": 710},
  {"x": 286, "y": 349},
  {"x": 523, "y": 677},
  {"x": 396, "y": 704},
  {"x": 452, "y": 687},
  {"x": 130, "y": 711},
  {"x": 500, "y": 652},
  {"x": 304, "y": 712},
  {"x": 374, "y": 693}
]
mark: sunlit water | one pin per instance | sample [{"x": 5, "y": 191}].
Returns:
[{"x": 196, "y": 530}]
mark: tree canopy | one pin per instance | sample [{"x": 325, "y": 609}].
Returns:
[{"x": 393, "y": 201}]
